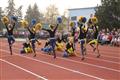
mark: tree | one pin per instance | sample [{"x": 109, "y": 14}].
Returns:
[
  {"x": 1, "y": 15},
  {"x": 36, "y": 13},
  {"x": 63, "y": 25},
  {"x": 108, "y": 14},
  {"x": 33, "y": 13},
  {"x": 51, "y": 14},
  {"x": 10, "y": 10},
  {"x": 28, "y": 15},
  {"x": 19, "y": 13}
]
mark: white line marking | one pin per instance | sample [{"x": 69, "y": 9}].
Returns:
[
  {"x": 58, "y": 66},
  {"x": 92, "y": 65},
  {"x": 103, "y": 60},
  {"x": 24, "y": 69},
  {"x": 94, "y": 59},
  {"x": 104, "y": 55},
  {"x": 85, "y": 63}
]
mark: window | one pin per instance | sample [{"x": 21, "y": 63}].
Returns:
[{"x": 73, "y": 18}]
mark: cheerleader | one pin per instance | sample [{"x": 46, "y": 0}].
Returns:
[
  {"x": 69, "y": 51},
  {"x": 73, "y": 30},
  {"x": 32, "y": 31},
  {"x": 10, "y": 28},
  {"x": 82, "y": 36},
  {"x": 94, "y": 40},
  {"x": 52, "y": 32},
  {"x": 26, "y": 47},
  {"x": 59, "y": 44},
  {"x": 47, "y": 48},
  {"x": 32, "y": 39},
  {"x": 52, "y": 39}
]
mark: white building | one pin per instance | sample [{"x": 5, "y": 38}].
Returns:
[{"x": 86, "y": 12}]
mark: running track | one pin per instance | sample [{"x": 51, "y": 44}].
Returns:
[{"x": 44, "y": 67}]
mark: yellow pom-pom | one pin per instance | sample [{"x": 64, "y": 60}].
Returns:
[
  {"x": 94, "y": 20},
  {"x": 38, "y": 27},
  {"x": 72, "y": 24},
  {"x": 24, "y": 23},
  {"x": 85, "y": 29},
  {"x": 5, "y": 20},
  {"x": 33, "y": 29},
  {"x": 80, "y": 18}
]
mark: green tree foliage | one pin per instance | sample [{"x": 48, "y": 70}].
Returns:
[
  {"x": 28, "y": 15},
  {"x": 108, "y": 14},
  {"x": 51, "y": 14},
  {"x": 19, "y": 13},
  {"x": 63, "y": 25},
  {"x": 1, "y": 15},
  {"x": 10, "y": 10},
  {"x": 33, "y": 13}
]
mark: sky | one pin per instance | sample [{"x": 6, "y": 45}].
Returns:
[{"x": 62, "y": 5}]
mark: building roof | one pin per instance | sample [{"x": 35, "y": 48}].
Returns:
[{"x": 82, "y": 8}]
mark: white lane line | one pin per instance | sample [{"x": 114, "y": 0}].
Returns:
[
  {"x": 23, "y": 69},
  {"x": 94, "y": 59},
  {"x": 85, "y": 63},
  {"x": 71, "y": 70},
  {"x": 93, "y": 65},
  {"x": 101, "y": 51},
  {"x": 104, "y": 55},
  {"x": 97, "y": 59},
  {"x": 103, "y": 60}
]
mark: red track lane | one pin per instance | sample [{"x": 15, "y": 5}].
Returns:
[
  {"x": 83, "y": 68},
  {"x": 45, "y": 70},
  {"x": 109, "y": 65},
  {"x": 92, "y": 61},
  {"x": 90, "y": 54},
  {"x": 109, "y": 52},
  {"x": 73, "y": 66},
  {"x": 10, "y": 72},
  {"x": 105, "y": 51},
  {"x": 77, "y": 64},
  {"x": 116, "y": 66}
]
